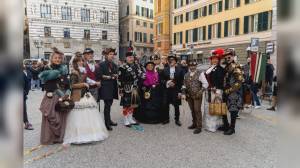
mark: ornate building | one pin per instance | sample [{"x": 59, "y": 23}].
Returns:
[
  {"x": 136, "y": 26},
  {"x": 72, "y": 25}
]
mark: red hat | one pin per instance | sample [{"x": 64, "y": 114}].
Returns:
[{"x": 219, "y": 52}]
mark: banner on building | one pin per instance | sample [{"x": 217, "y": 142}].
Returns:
[
  {"x": 254, "y": 44},
  {"x": 258, "y": 66}
]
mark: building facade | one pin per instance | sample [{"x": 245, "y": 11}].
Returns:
[
  {"x": 137, "y": 27},
  {"x": 72, "y": 25},
  {"x": 201, "y": 26},
  {"x": 162, "y": 35}
]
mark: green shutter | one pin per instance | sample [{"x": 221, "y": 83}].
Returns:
[
  {"x": 238, "y": 3},
  {"x": 260, "y": 22},
  {"x": 174, "y": 38},
  {"x": 219, "y": 29},
  {"x": 204, "y": 32},
  {"x": 209, "y": 32},
  {"x": 187, "y": 16},
  {"x": 195, "y": 35},
  {"x": 237, "y": 26},
  {"x": 220, "y": 6},
  {"x": 210, "y": 9},
  {"x": 265, "y": 21},
  {"x": 247, "y": 1},
  {"x": 180, "y": 37},
  {"x": 226, "y": 4},
  {"x": 186, "y": 36},
  {"x": 226, "y": 29},
  {"x": 205, "y": 11},
  {"x": 246, "y": 24}
]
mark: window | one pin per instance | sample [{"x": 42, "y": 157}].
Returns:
[
  {"x": 151, "y": 25},
  {"x": 137, "y": 10},
  {"x": 178, "y": 19},
  {"x": 104, "y": 16},
  {"x": 178, "y": 4},
  {"x": 104, "y": 35},
  {"x": 214, "y": 31},
  {"x": 151, "y": 38},
  {"x": 67, "y": 33},
  {"x": 66, "y": 13},
  {"x": 251, "y": 1},
  {"x": 45, "y": 11},
  {"x": 188, "y": 36},
  {"x": 258, "y": 22},
  {"x": 86, "y": 34},
  {"x": 138, "y": 22},
  {"x": 151, "y": 14},
  {"x": 127, "y": 10},
  {"x": 127, "y": 36},
  {"x": 231, "y": 27},
  {"x": 47, "y": 31},
  {"x": 145, "y": 37},
  {"x": 230, "y": 4},
  {"x": 215, "y": 8},
  {"x": 145, "y": 24},
  {"x": 201, "y": 33},
  {"x": 85, "y": 15},
  {"x": 159, "y": 28},
  {"x": 177, "y": 38},
  {"x": 195, "y": 14},
  {"x": 138, "y": 36}
]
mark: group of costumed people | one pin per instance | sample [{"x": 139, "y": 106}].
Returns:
[{"x": 70, "y": 113}]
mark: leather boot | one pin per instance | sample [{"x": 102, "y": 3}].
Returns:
[
  {"x": 193, "y": 126},
  {"x": 231, "y": 130},
  {"x": 225, "y": 125}
]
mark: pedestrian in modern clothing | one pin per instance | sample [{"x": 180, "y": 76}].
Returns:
[{"x": 27, "y": 87}]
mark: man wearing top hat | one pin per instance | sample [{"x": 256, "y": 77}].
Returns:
[
  {"x": 129, "y": 76},
  {"x": 194, "y": 84},
  {"x": 172, "y": 80},
  {"x": 91, "y": 70},
  {"x": 108, "y": 74}
]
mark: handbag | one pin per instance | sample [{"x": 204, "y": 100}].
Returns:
[
  {"x": 64, "y": 106},
  {"x": 217, "y": 107}
]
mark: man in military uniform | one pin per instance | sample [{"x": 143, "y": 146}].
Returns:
[
  {"x": 129, "y": 76},
  {"x": 194, "y": 84},
  {"x": 232, "y": 91}
]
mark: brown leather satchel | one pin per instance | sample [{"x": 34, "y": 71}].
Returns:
[
  {"x": 64, "y": 106},
  {"x": 217, "y": 107}
]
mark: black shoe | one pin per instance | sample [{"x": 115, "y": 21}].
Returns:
[
  {"x": 166, "y": 122},
  {"x": 128, "y": 126},
  {"x": 178, "y": 123},
  {"x": 197, "y": 131},
  {"x": 192, "y": 126},
  {"x": 271, "y": 109},
  {"x": 113, "y": 123},
  {"x": 223, "y": 128},
  {"x": 109, "y": 128},
  {"x": 230, "y": 131}
]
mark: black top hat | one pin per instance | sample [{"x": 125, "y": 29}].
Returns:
[
  {"x": 88, "y": 50},
  {"x": 128, "y": 54},
  {"x": 229, "y": 51},
  {"x": 172, "y": 57}
]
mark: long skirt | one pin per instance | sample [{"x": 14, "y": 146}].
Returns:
[
  {"x": 211, "y": 123},
  {"x": 53, "y": 122},
  {"x": 150, "y": 110},
  {"x": 84, "y": 123}
]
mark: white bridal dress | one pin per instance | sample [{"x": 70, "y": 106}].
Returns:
[{"x": 84, "y": 123}]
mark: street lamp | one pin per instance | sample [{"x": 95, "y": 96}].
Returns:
[{"x": 38, "y": 44}]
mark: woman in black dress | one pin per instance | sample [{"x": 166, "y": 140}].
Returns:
[{"x": 151, "y": 97}]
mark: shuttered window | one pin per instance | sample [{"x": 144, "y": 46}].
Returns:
[
  {"x": 246, "y": 24},
  {"x": 219, "y": 29},
  {"x": 226, "y": 4},
  {"x": 209, "y": 32},
  {"x": 210, "y": 9},
  {"x": 220, "y": 6},
  {"x": 237, "y": 26},
  {"x": 226, "y": 29}
]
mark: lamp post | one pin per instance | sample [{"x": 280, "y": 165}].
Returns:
[{"x": 38, "y": 44}]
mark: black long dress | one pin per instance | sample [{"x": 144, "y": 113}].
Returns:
[{"x": 150, "y": 111}]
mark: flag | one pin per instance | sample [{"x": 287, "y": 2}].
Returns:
[{"x": 258, "y": 67}]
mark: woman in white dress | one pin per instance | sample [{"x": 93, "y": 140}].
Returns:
[
  {"x": 84, "y": 123},
  {"x": 215, "y": 77}
]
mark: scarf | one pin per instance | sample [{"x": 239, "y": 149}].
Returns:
[{"x": 151, "y": 78}]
